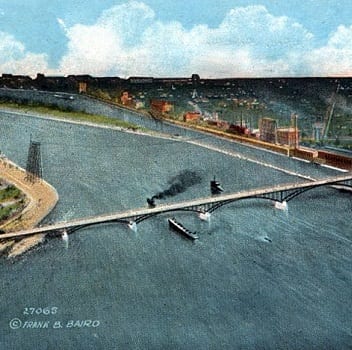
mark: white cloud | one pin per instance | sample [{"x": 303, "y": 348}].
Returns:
[
  {"x": 265, "y": 34},
  {"x": 336, "y": 57},
  {"x": 15, "y": 59},
  {"x": 128, "y": 40},
  {"x": 341, "y": 38},
  {"x": 9, "y": 47}
]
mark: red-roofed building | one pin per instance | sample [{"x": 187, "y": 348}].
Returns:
[
  {"x": 191, "y": 116},
  {"x": 161, "y": 106}
]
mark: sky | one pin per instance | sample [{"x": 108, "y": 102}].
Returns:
[{"x": 176, "y": 38}]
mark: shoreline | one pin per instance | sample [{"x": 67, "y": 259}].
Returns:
[
  {"x": 81, "y": 122},
  {"x": 152, "y": 133},
  {"x": 42, "y": 198}
]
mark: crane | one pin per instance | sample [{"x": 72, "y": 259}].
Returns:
[{"x": 329, "y": 113}]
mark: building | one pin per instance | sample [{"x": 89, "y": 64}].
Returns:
[
  {"x": 55, "y": 83},
  {"x": 238, "y": 129},
  {"x": 126, "y": 100},
  {"x": 141, "y": 80},
  {"x": 267, "y": 129},
  {"x": 334, "y": 159},
  {"x": 288, "y": 137},
  {"x": 220, "y": 124},
  {"x": 82, "y": 87},
  {"x": 161, "y": 106},
  {"x": 16, "y": 81},
  {"x": 191, "y": 116},
  {"x": 318, "y": 129},
  {"x": 309, "y": 154}
]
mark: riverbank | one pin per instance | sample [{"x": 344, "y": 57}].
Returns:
[
  {"x": 63, "y": 114},
  {"x": 71, "y": 118},
  {"x": 42, "y": 198}
]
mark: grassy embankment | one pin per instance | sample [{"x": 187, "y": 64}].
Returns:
[
  {"x": 60, "y": 113},
  {"x": 12, "y": 201}
]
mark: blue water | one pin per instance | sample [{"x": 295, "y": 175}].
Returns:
[{"x": 153, "y": 289}]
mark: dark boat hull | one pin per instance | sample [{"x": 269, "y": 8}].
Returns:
[
  {"x": 151, "y": 202},
  {"x": 178, "y": 227},
  {"x": 215, "y": 187}
]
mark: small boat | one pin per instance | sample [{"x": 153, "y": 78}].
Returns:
[
  {"x": 64, "y": 96},
  {"x": 151, "y": 202},
  {"x": 215, "y": 187},
  {"x": 181, "y": 229}
]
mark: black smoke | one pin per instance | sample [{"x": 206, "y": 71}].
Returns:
[{"x": 177, "y": 184}]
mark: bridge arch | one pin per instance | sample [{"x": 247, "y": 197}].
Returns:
[
  {"x": 279, "y": 196},
  {"x": 278, "y": 193},
  {"x": 189, "y": 209},
  {"x": 285, "y": 196},
  {"x": 128, "y": 221},
  {"x": 74, "y": 229}
]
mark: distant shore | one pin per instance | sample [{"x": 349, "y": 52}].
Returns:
[
  {"x": 42, "y": 198},
  {"x": 77, "y": 121}
]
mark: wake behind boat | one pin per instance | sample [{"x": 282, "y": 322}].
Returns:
[{"x": 177, "y": 226}]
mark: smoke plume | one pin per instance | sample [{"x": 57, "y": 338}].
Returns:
[{"x": 179, "y": 184}]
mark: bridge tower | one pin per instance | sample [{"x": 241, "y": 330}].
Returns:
[{"x": 34, "y": 162}]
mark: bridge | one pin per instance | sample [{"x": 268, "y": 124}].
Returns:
[{"x": 203, "y": 206}]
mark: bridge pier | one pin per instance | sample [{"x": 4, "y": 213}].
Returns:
[
  {"x": 281, "y": 205},
  {"x": 205, "y": 216},
  {"x": 64, "y": 237},
  {"x": 132, "y": 225}
]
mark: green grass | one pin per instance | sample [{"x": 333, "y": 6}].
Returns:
[
  {"x": 11, "y": 192},
  {"x": 6, "y": 212}
]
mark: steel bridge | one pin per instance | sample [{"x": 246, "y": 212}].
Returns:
[{"x": 280, "y": 193}]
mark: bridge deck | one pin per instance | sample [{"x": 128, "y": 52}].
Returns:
[{"x": 130, "y": 214}]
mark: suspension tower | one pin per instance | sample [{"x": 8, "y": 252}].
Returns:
[{"x": 34, "y": 162}]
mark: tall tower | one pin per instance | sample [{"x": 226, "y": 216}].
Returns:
[
  {"x": 294, "y": 125},
  {"x": 34, "y": 162},
  {"x": 195, "y": 80}
]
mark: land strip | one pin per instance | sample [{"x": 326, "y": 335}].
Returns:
[{"x": 42, "y": 198}]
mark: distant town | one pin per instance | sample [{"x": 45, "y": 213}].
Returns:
[
  {"x": 306, "y": 118},
  {"x": 310, "y": 118}
]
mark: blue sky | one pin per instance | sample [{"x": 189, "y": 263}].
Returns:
[{"x": 223, "y": 38}]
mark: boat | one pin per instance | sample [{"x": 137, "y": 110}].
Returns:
[
  {"x": 177, "y": 226},
  {"x": 64, "y": 96},
  {"x": 151, "y": 202},
  {"x": 215, "y": 186}
]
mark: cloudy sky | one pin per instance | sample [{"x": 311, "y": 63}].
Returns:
[{"x": 214, "y": 38}]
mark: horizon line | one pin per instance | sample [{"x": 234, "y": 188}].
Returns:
[{"x": 336, "y": 76}]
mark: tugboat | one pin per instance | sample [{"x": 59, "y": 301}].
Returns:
[
  {"x": 181, "y": 229},
  {"x": 215, "y": 187},
  {"x": 151, "y": 202}
]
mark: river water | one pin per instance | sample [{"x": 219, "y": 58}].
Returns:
[{"x": 257, "y": 278}]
